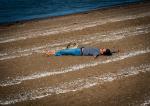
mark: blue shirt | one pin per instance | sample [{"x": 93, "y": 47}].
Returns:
[{"x": 87, "y": 51}]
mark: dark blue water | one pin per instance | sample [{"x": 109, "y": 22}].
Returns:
[{"x": 17, "y": 10}]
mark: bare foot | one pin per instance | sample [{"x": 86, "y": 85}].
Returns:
[{"x": 49, "y": 53}]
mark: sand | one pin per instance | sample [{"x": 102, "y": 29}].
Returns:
[{"x": 28, "y": 77}]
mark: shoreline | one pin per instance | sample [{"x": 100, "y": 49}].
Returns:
[
  {"x": 28, "y": 77},
  {"x": 124, "y": 5}
]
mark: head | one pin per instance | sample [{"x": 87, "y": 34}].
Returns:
[{"x": 105, "y": 52}]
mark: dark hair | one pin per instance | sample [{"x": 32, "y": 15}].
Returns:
[{"x": 107, "y": 52}]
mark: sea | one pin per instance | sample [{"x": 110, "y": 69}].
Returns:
[{"x": 20, "y": 10}]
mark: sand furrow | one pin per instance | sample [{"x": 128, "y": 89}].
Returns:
[
  {"x": 49, "y": 32},
  {"x": 28, "y": 77},
  {"x": 89, "y": 39},
  {"x": 75, "y": 85},
  {"x": 13, "y": 81}
]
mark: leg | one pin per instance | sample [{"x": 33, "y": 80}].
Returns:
[{"x": 73, "y": 52}]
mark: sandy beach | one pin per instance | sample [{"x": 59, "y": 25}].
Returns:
[{"x": 30, "y": 78}]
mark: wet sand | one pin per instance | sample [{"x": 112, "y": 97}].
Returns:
[{"x": 28, "y": 77}]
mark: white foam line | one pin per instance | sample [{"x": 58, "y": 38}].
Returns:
[
  {"x": 146, "y": 103},
  {"x": 93, "y": 37},
  {"x": 13, "y": 81},
  {"x": 72, "y": 28},
  {"x": 96, "y": 38},
  {"x": 75, "y": 85},
  {"x": 3, "y": 54}
]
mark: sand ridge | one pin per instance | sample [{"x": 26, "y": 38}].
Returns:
[{"x": 28, "y": 77}]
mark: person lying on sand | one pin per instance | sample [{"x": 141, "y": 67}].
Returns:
[{"x": 82, "y": 51}]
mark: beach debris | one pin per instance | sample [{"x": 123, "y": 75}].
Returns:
[{"x": 72, "y": 45}]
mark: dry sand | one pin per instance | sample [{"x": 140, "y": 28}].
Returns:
[{"x": 28, "y": 77}]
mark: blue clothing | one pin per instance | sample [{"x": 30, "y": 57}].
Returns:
[
  {"x": 84, "y": 51},
  {"x": 90, "y": 51},
  {"x": 74, "y": 52}
]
